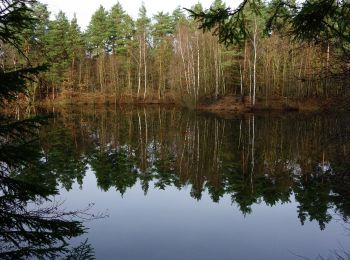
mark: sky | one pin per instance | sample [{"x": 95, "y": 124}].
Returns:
[{"x": 85, "y": 8}]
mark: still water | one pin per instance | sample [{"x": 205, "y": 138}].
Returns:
[{"x": 184, "y": 185}]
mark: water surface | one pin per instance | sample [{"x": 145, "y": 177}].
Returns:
[{"x": 185, "y": 185}]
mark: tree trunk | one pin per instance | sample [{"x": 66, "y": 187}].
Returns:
[
  {"x": 145, "y": 64},
  {"x": 255, "y": 58},
  {"x": 140, "y": 67}
]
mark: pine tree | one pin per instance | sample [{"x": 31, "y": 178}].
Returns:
[
  {"x": 34, "y": 37},
  {"x": 16, "y": 18},
  {"x": 76, "y": 50},
  {"x": 97, "y": 32},
  {"x": 58, "y": 51},
  {"x": 120, "y": 29},
  {"x": 97, "y": 40},
  {"x": 162, "y": 32},
  {"x": 34, "y": 46},
  {"x": 178, "y": 17},
  {"x": 142, "y": 31}
]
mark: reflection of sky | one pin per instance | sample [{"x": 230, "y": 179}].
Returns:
[{"x": 171, "y": 225}]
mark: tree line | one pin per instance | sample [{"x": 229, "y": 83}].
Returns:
[{"x": 168, "y": 58}]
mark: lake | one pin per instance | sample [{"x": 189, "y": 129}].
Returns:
[{"x": 176, "y": 184}]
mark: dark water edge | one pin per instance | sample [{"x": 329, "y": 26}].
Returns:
[
  {"x": 227, "y": 104},
  {"x": 186, "y": 185}
]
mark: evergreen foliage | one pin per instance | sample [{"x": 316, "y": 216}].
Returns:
[{"x": 279, "y": 48}]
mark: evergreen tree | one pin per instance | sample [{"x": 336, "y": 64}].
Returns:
[
  {"x": 178, "y": 17},
  {"x": 143, "y": 21},
  {"x": 162, "y": 42},
  {"x": 120, "y": 29},
  {"x": 309, "y": 20},
  {"x": 142, "y": 32},
  {"x": 217, "y": 4},
  {"x": 76, "y": 49},
  {"x": 162, "y": 28},
  {"x": 33, "y": 41},
  {"x": 97, "y": 32},
  {"x": 34, "y": 37},
  {"x": 58, "y": 50},
  {"x": 16, "y": 18}
]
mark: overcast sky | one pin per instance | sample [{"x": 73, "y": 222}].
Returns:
[{"x": 85, "y": 8}]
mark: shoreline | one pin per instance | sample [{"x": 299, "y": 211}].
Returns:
[{"x": 229, "y": 104}]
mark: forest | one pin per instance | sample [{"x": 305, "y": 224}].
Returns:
[
  {"x": 63, "y": 168},
  {"x": 169, "y": 58}
]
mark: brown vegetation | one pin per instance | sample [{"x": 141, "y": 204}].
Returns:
[
  {"x": 233, "y": 104},
  {"x": 167, "y": 59}
]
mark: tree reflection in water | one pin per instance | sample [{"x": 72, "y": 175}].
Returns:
[
  {"x": 31, "y": 225},
  {"x": 262, "y": 158}
]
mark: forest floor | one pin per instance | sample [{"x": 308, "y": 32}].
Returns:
[
  {"x": 236, "y": 104},
  {"x": 76, "y": 98},
  {"x": 229, "y": 104}
]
